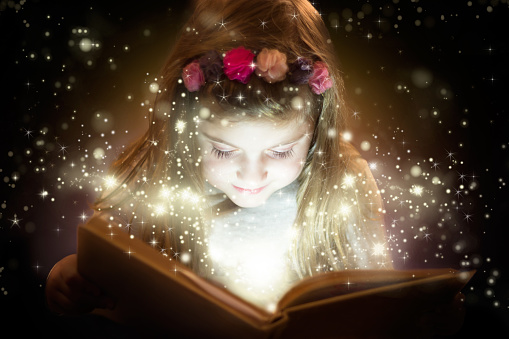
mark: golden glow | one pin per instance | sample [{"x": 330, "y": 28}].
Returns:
[{"x": 379, "y": 249}]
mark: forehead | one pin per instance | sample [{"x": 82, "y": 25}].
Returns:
[{"x": 261, "y": 131}]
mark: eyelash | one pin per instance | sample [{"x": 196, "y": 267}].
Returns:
[
  {"x": 274, "y": 154},
  {"x": 282, "y": 155},
  {"x": 222, "y": 154}
]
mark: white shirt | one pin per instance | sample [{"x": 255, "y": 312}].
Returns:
[{"x": 249, "y": 248}]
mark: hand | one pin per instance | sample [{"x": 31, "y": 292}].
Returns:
[{"x": 67, "y": 292}]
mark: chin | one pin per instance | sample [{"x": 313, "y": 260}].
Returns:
[{"x": 248, "y": 203}]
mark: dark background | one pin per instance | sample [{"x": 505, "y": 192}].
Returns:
[{"x": 55, "y": 97}]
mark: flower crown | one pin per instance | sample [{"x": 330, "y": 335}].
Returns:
[{"x": 239, "y": 64}]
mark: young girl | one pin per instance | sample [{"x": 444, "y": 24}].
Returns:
[{"x": 243, "y": 174}]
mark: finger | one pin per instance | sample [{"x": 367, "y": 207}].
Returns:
[
  {"x": 80, "y": 292},
  {"x": 78, "y": 283},
  {"x": 61, "y": 304},
  {"x": 90, "y": 300}
]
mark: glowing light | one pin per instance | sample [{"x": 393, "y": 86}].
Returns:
[
  {"x": 379, "y": 249},
  {"x": 43, "y": 194},
  {"x": 240, "y": 97},
  {"x": 83, "y": 217},
  {"x": 129, "y": 252},
  {"x": 347, "y": 136},
  {"x": 153, "y": 87},
  {"x": 344, "y": 209},
  {"x": 417, "y": 190},
  {"x": 348, "y": 180},
  {"x": 165, "y": 192},
  {"x": 86, "y": 45},
  {"x": 110, "y": 182},
  {"x": 180, "y": 126},
  {"x": 159, "y": 209},
  {"x": 222, "y": 24},
  {"x": 15, "y": 221}
]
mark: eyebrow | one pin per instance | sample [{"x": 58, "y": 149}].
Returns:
[{"x": 229, "y": 144}]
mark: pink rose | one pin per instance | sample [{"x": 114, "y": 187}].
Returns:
[
  {"x": 271, "y": 65},
  {"x": 320, "y": 80},
  {"x": 193, "y": 76},
  {"x": 238, "y": 64}
]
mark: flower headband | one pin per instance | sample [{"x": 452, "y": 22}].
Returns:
[{"x": 239, "y": 64}]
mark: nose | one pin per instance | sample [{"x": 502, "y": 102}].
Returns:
[{"x": 252, "y": 172}]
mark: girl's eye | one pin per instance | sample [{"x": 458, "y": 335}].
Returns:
[
  {"x": 222, "y": 154},
  {"x": 281, "y": 155}
]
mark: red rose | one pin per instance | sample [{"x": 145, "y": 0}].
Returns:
[{"x": 238, "y": 64}]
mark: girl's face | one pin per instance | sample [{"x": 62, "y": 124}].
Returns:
[{"x": 250, "y": 160}]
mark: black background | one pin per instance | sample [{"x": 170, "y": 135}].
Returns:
[{"x": 47, "y": 127}]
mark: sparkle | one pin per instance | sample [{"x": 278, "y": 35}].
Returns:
[
  {"x": 129, "y": 252},
  {"x": 348, "y": 283},
  {"x": 28, "y": 133},
  {"x": 379, "y": 249},
  {"x": 83, "y": 216},
  {"x": 468, "y": 217},
  {"x": 218, "y": 82},
  {"x": 180, "y": 125},
  {"x": 294, "y": 15},
  {"x": 263, "y": 23},
  {"x": 222, "y": 24},
  {"x": 15, "y": 221},
  {"x": 159, "y": 209},
  {"x": 450, "y": 155},
  {"x": 417, "y": 190},
  {"x": 62, "y": 149},
  {"x": 43, "y": 194},
  {"x": 391, "y": 237},
  {"x": 37, "y": 266},
  {"x": 110, "y": 181},
  {"x": 224, "y": 97},
  {"x": 348, "y": 180}
]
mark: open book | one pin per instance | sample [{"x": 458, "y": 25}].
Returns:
[{"x": 162, "y": 296}]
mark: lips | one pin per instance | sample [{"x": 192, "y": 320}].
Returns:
[{"x": 249, "y": 190}]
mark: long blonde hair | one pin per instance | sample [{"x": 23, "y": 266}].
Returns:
[{"x": 167, "y": 156}]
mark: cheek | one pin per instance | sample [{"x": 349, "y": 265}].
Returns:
[
  {"x": 214, "y": 170},
  {"x": 288, "y": 170}
]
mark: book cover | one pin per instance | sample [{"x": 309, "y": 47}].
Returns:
[{"x": 160, "y": 295}]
